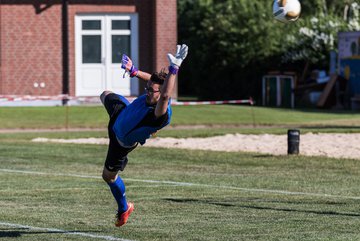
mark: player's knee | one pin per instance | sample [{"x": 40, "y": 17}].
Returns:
[
  {"x": 103, "y": 95},
  {"x": 108, "y": 177},
  {"x": 105, "y": 178}
]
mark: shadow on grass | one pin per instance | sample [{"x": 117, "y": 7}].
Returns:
[
  {"x": 264, "y": 156},
  {"x": 330, "y": 213},
  {"x": 189, "y": 200}
]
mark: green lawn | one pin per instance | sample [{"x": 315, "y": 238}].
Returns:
[
  {"x": 178, "y": 194},
  {"x": 54, "y": 191},
  {"x": 208, "y": 119}
]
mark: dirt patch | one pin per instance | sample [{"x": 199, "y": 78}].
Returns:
[{"x": 331, "y": 145}]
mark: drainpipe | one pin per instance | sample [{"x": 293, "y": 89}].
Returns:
[
  {"x": 1, "y": 71},
  {"x": 65, "y": 51}
]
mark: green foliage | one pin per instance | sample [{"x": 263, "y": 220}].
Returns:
[
  {"x": 234, "y": 42},
  {"x": 317, "y": 36},
  {"x": 225, "y": 37},
  {"x": 313, "y": 41}
]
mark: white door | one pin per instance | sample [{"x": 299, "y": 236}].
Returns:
[{"x": 100, "y": 42}]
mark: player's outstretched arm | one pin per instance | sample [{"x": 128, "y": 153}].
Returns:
[
  {"x": 169, "y": 83},
  {"x": 143, "y": 75}
]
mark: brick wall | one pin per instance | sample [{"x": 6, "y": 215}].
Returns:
[
  {"x": 165, "y": 37},
  {"x": 31, "y": 40},
  {"x": 30, "y": 53},
  {"x": 165, "y": 25}
]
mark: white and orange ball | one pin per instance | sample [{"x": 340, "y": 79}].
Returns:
[{"x": 286, "y": 11}]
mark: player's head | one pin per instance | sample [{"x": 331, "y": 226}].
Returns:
[
  {"x": 159, "y": 77},
  {"x": 153, "y": 87}
]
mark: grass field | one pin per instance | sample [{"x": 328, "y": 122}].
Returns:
[
  {"x": 54, "y": 191},
  {"x": 225, "y": 115},
  {"x": 178, "y": 195},
  {"x": 209, "y": 120}
]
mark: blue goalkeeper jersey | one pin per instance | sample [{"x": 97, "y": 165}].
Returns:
[{"x": 129, "y": 127}]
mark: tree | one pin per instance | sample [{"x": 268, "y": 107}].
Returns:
[
  {"x": 234, "y": 42},
  {"x": 317, "y": 36}
]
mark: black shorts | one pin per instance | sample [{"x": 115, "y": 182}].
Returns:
[{"x": 116, "y": 158}]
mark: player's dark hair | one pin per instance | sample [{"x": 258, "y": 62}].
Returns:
[{"x": 159, "y": 77}]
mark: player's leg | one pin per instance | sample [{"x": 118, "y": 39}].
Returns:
[
  {"x": 117, "y": 188},
  {"x": 116, "y": 159},
  {"x": 110, "y": 175}
]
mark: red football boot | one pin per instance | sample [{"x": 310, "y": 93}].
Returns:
[{"x": 121, "y": 218}]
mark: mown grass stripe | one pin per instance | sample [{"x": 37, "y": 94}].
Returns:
[{"x": 190, "y": 184}]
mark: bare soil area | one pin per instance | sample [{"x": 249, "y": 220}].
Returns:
[{"x": 331, "y": 145}]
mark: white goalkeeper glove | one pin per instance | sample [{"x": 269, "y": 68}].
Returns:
[{"x": 175, "y": 61}]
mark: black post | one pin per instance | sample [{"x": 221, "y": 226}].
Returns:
[
  {"x": 293, "y": 141},
  {"x": 65, "y": 51}
]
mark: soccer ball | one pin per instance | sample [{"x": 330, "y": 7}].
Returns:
[{"x": 286, "y": 10}]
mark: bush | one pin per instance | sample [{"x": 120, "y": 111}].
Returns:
[{"x": 234, "y": 43}]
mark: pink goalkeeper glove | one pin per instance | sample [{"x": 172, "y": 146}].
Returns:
[{"x": 127, "y": 64}]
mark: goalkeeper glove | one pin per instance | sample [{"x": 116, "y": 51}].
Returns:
[
  {"x": 127, "y": 64},
  {"x": 175, "y": 61}
]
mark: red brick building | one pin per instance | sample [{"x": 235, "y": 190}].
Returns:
[{"x": 54, "y": 47}]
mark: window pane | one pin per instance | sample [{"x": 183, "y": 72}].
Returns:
[
  {"x": 91, "y": 49},
  {"x": 91, "y": 24},
  {"x": 120, "y": 24},
  {"x": 120, "y": 46}
]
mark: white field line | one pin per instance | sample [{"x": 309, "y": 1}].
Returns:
[
  {"x": 188, "y": 184},
  {"x": 13, "y": 225}
]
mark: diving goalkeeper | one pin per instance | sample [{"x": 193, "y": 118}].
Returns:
[{"x": 131, "y": 124}]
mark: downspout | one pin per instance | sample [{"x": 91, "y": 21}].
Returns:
[
  {"x": 65, "y": 51},
  {"x": 1, "y": 71}
]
